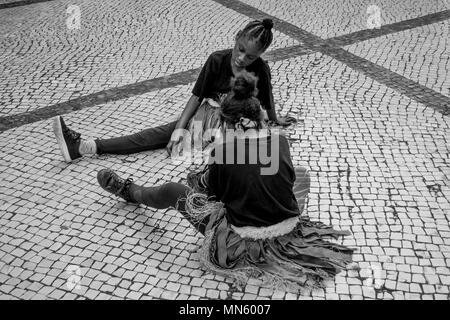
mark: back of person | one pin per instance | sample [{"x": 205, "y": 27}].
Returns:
[{"x": 254, "y": 178}]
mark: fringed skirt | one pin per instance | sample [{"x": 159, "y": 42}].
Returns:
[
  {"x": 292, "y": 253},
  {"x": 204, "y": 125}
]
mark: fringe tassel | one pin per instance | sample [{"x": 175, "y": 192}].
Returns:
[
  {"x": 199, "y": 206},
  {"x": 241, "y": 275}
]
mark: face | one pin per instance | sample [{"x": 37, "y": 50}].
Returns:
[{"x": 245, "y": 52}]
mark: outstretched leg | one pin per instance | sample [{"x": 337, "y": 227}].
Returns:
[
  {"x": 73, "y": 147},
  {"x": 145, "y": 140},
  {"x": 159, "y": 197}
]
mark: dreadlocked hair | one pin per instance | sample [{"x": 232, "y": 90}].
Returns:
[
  {"x": 260, "y": 30},
  {"x": 241, "y": 102}
]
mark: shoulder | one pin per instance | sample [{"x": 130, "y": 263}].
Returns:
[
  {"x": 220, "y": 148},
  {"x": 219, "y": 152},
  {"x": 218, "y": 57},
  {"x": 260, "y": 67}
]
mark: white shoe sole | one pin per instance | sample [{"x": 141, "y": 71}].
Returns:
[{"x": 57, "y": 130}]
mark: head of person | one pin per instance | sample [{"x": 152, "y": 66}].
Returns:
[
  {"x": 241, "y": 109},
  {"x": 251, "y": 42}
]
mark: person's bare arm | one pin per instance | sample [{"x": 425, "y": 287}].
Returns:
[
  {"x": 190, "y": 109},
  {"x": 282, "y": 121},
  {"x": 272, "y": 115},
  {"x": 188, "y": 112}
]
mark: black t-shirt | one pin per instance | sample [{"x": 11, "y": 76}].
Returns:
[
  {"x": 215, "y": 76},
  {"x": 251, "y": 198}
]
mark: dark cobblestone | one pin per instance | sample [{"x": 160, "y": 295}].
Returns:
[
  {"x": 367, "y": 34},
  {"x": 12, "y": 3}
]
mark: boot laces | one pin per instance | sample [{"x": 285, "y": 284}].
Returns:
[{"x": 123, "y": 187}]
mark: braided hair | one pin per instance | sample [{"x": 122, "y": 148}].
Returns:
[
  {"x": 261, "y": 31},
  {"x": 241, "y": 103}
]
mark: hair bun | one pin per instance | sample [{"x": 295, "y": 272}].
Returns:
[
  {"x": 244, "y": 85},
  {"x": 267, "y": 24}
]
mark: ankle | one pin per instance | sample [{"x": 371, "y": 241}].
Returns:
[
  {"x": 88, "y": 147},
  {"x": 135, "y": 192}
]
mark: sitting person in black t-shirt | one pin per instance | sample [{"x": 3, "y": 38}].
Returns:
[
  {"x": 203, "y": 106},
  {"x": 251, "y": 211}
]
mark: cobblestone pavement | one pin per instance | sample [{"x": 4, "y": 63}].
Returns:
[
  {"x": 373, "y": 129},
  {"x": 120, "y": 42},
  {"x": 418, "y": 54},
  {"x": 327, "y": 19}
]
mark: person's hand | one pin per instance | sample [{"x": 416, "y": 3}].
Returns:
[
  {"x": 173, "y": 147},
  {"x": 285, "y": 121}
]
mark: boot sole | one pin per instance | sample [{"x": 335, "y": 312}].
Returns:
[{"x": 57, "y": 130}]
